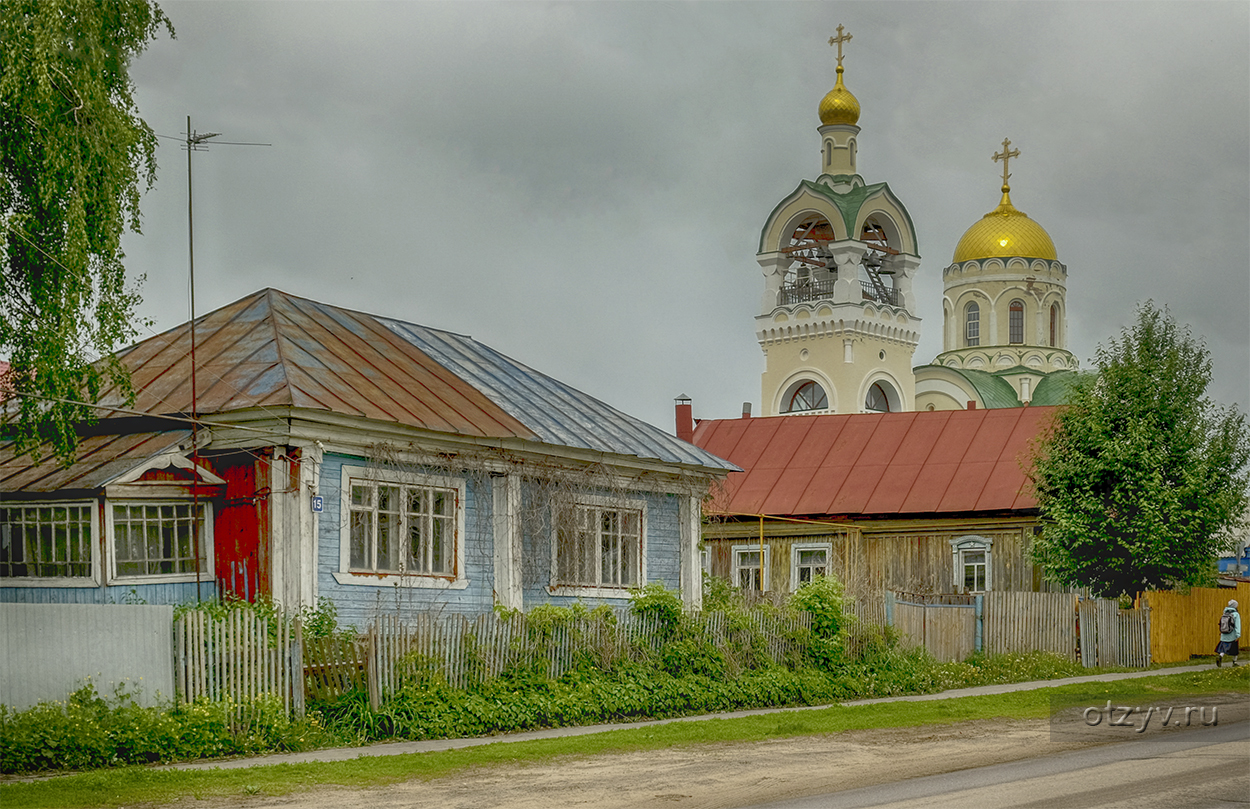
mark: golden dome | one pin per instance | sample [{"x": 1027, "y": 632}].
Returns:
[
  {"x": 1004, "y": 233},
  {"x": 839, "y": 106}
]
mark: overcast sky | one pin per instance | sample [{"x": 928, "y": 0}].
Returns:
[{"x": 581, "y": 185}]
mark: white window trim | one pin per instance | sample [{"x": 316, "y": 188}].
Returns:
[
  {"x": 64, "y": 581},
  {"x": 209, "y": 574},
  {"x": 420, "y": 581},
  {"x": 582, "y": 591},
  {"x": 736, "y": 549},
  {"x": 971, "y": 542},
  {"x": 827, "y": 547}
]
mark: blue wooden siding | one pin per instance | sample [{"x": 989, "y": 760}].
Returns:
[
  {"x": 663, "y": 543},
  {"x": 357, "y": 605},
  {"x": 179, "y": 593}
]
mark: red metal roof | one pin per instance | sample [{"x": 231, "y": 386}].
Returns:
[{"x": 946, "y": 462}]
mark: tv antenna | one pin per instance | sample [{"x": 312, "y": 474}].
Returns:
[{"x": 197, "y": 142}]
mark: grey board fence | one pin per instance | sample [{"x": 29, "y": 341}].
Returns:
[
  {"x": 944, "y": 625},
  {"x": 1026, "y": 622},
  {"x": 1111, "y": 636},
  {"x": 952, "y": 626},
  {"x": 47, "y": 651}
]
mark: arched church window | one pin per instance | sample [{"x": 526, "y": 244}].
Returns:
[
  {"x": 1054, "y": 325},
  {"x": 808, "y": 396},
  {"x": 972, "y": 324},
  {"x": 1015, "y": 322},
  {"x": 877, "y": 401}
]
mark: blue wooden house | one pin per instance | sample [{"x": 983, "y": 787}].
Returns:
[{"x": 311, "y": 452}]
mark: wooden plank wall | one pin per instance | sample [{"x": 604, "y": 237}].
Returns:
[
  {"x": 874, "y": 562},
  {"x": 1187, "y": 624}
]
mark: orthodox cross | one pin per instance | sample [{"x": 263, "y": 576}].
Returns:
[
  {"x": 838, "y": 40},
  {"x": 1006, "y": 155}
]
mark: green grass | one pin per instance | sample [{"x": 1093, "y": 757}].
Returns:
[{"x": 137, "y": 785}]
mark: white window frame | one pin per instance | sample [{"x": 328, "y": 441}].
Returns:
[
  {"x": 93, "y": 526},
  {"x": 971, "y": 543},
  {"x": 972, "y": 324},
  {"x": 737, "y": 550},
  {"x": 556, "y": 587},
  {"x": 827, "y": 547},
  {"x": 374, "y": 476},
  {"x": 207, "y": 573}
]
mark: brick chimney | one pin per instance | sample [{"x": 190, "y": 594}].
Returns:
[{"x": 685, "y": 418}]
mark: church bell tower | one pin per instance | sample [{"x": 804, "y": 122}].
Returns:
[{"x": 836, "y": 321}]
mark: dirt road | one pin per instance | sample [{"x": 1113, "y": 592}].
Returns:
[{"x": 705, "y": 776}]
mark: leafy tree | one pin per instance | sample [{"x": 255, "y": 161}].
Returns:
[
  {"x": 1142, "y": 479},
  {"x": 74, "y": 159}
]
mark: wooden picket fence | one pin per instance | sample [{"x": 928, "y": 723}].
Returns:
[
  {"x": 237, "y": 659},
  {"x": 241, "y": 656},
  {"x": 1111, "y": 636},
  {"x": 467, "y": 650},
  {"x": 1017, "y": 623}
]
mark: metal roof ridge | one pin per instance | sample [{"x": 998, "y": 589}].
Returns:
[
  {"x": 581, "y": 409},
  {"x": 466, "y": 370},
  {"x": 319, "y": 307}
]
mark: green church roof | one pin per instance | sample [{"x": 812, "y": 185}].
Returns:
[
  {"x": 848, "y": 204},
  {"x": 1055, "y": 388},
  {"x": 994, "y": 391}
]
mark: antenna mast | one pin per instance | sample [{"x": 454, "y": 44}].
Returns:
[{"x": 197, "y": 142}]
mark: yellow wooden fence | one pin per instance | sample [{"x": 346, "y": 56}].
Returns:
[{"x": 1186, "y": 624}]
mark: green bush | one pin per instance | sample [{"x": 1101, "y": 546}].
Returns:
[
  {"x": 657, "y": 601},
  {"x": 519, "y": 701},
  {"x": 88, "y": 731},
  {"x": 823, "y": 598}
]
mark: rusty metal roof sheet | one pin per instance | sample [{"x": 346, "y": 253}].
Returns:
[
  {"x": 271, "y": 349},
  {"x": 101, "y": 459},
  {"x": 945, "y": 462}
]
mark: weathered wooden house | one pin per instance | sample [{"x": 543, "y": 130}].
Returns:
[
  {"x": 918, "y": 502},
  {"x": 317, "y": 452}
]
